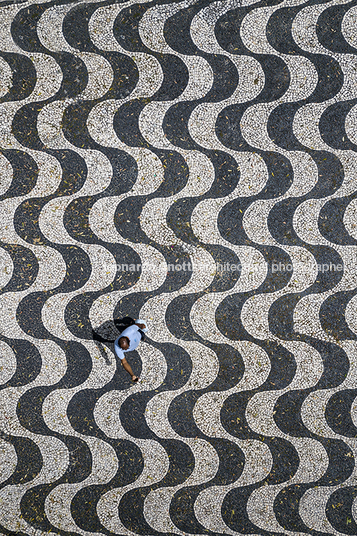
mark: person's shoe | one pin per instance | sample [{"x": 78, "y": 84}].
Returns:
[
  {"x": 128, "y": 320},
  {"x": 135, "y": 379}
]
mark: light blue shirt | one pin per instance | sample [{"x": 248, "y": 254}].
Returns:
[{"x": 132, "y": 332}]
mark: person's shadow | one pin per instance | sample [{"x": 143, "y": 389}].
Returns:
[{"x": 106, "y": 333}]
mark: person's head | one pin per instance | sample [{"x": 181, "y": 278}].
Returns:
[{"x": 124, "y": 343}]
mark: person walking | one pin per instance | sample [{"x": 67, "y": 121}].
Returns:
[{"x": 129, "y": 340}]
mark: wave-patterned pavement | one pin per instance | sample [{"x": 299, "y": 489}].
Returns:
[{"x": 193, "y": 163}]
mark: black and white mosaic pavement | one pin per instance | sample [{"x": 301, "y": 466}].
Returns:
[{"x": 192, "y": 163}]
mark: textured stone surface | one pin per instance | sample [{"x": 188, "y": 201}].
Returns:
[{"x": 194, "y": 164}]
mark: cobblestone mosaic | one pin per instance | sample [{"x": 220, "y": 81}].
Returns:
[{"x": 194, "y": 164}]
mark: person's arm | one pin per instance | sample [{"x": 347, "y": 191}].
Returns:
[
  {"x": 119, "y": 352},
  {"x": 140, "y": 326},
  {"x": 129, "y": 370}
]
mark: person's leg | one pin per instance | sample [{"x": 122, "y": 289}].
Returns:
[
  {"x": 142, "y": 334},
  {"x": 123, "y": 323},
  {"x": 128, "y": 368}
]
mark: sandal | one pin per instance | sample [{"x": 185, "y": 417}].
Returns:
[{"x": 135, "y": 379}]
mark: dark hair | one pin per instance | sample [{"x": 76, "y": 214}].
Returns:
[{"x": 126, "y": 340}]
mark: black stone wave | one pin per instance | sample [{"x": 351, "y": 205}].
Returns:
[
  {"x": 321, "y": 253},
  {"x": 334, "y": 211},
  {"x": 132, "y": 136},
  {"x": 24, "y": 171},
  {"x": 23, "y": 76},
  {"x": 282, "y": 310},
  {"x": 279, "y": 123},
  {"x": 28, "y": 362},
  {"x": 280, "y": 220},
  {"x": 332, "y": 125},
  {"x": 277, "y": 77},
  {"x": 28, "y": 466},
  {"x": 25, "y": 268},
  {"x": 330, "y": 222},
  {"x": 335, "y": 361},
  {"x": 73, "y": 122},
  {"x": 128, "y": 224},
  {"x": 126, "y": 119},
  {"x": 332, "y": 131},
  {"x": 73, "y": 168},
  {"x": 75, "y": 78},
  {"x": 231, "y": 461},
  {"x": 329, "y": 32},
  {"x": 338, "y": 413},
  {"x": 288, "y": 415},
  {"x": 286, "y": 509},
  {"x": 29, "y": 460},
  {"x": 332, "y": 316},
  {"x": 26, "y": 224},
  {"x": 76, "y": 32},
  {"x": 339, "y": 510},
  {"x": 326, "y": 185},
  {"x": 24, "y": 33},
  {"x": 78, "y": 267}
]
